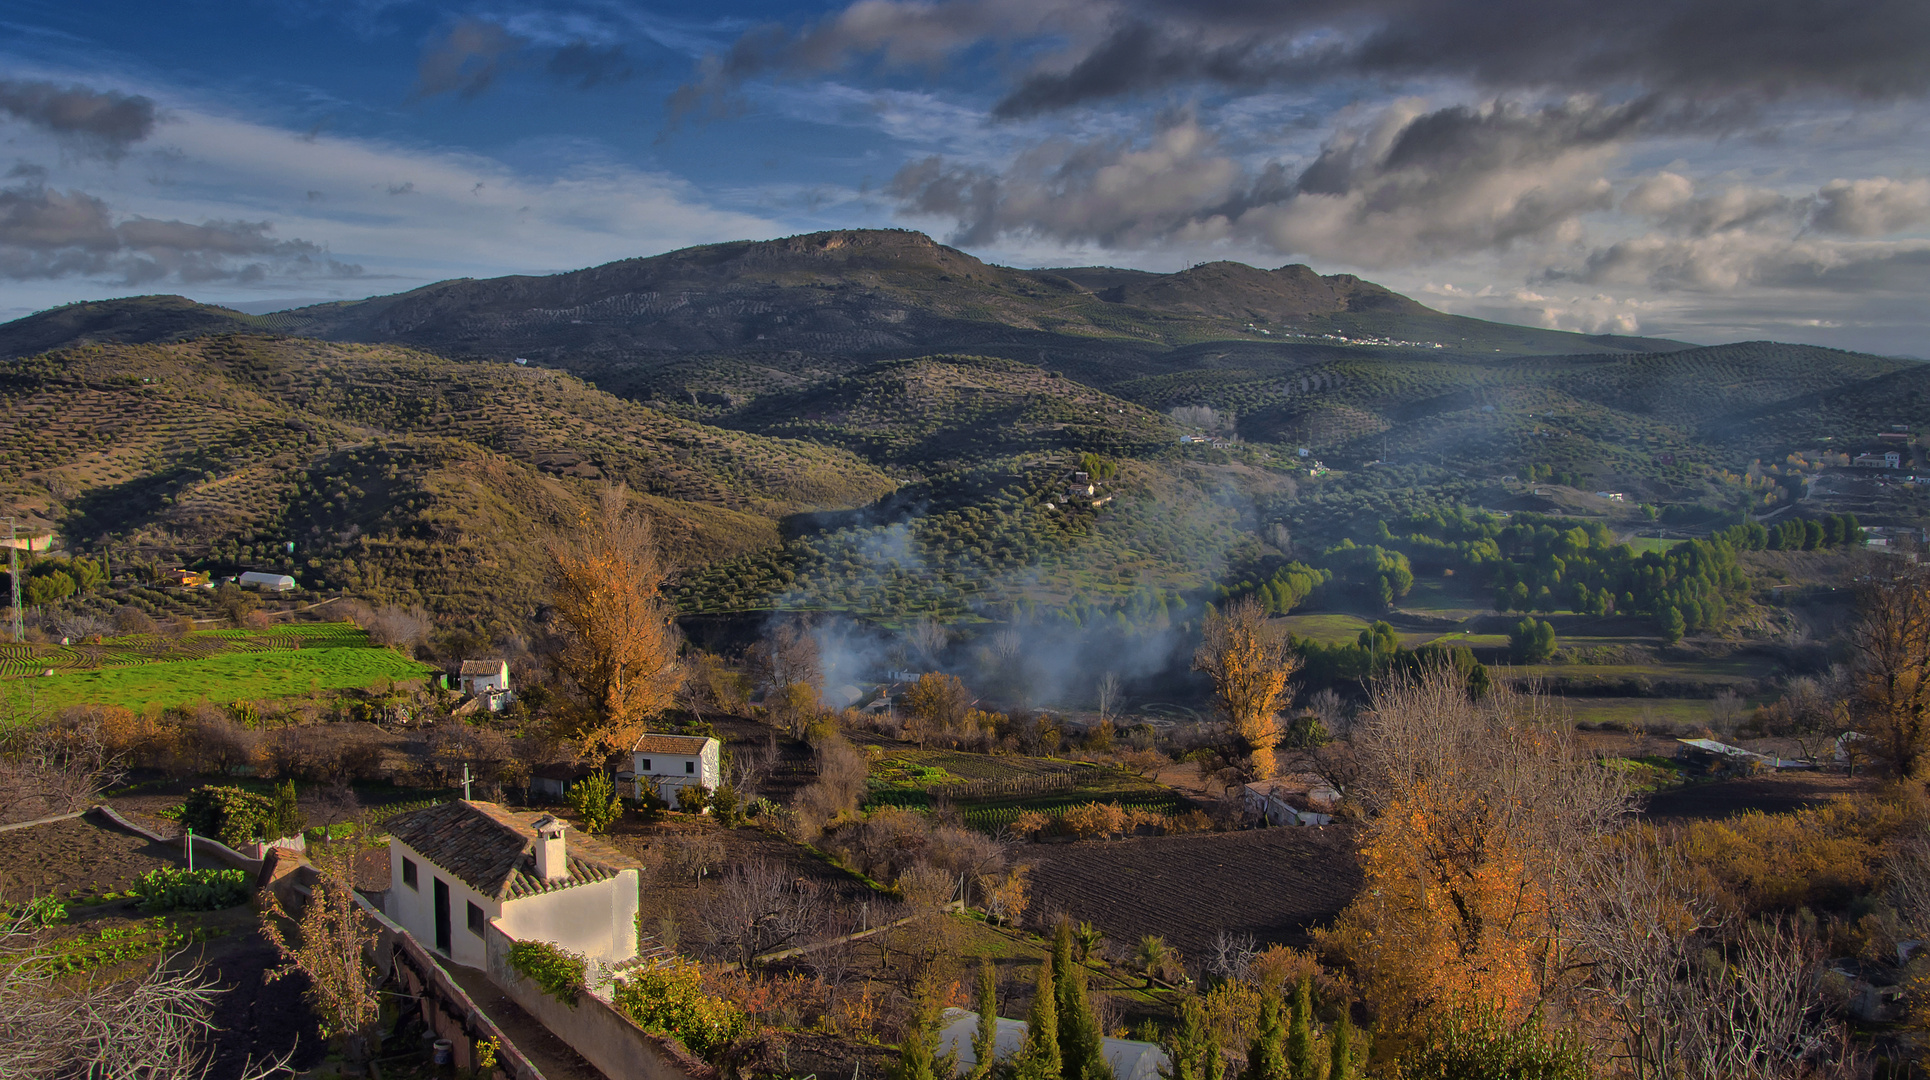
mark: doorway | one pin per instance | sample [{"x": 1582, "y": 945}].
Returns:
[{"x": 442, "y": 917}]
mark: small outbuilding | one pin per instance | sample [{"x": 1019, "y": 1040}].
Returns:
[
  {"x": 273, "y": 582},
  {"x": 664, "y": 763},
  {"x": 475, "y": 863},
  {"x": 483, "y": 678}
]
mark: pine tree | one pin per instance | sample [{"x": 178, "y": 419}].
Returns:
[
  {"x": 1341, "y": 1065},
  {"x": 985, "y": 1042},
  {"x": 1038, "y": 1058},
  {"x": 1264, "y": 1061},
  {"x": 1300, "y": 1056},
  {"x": 1081, "y": 1049},
  {"x": 284, "y": 817}
]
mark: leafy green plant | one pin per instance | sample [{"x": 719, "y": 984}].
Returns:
[
  {"x": 594, "y": 799},
  {"x": 227, "y": 814},
  {"x": 40, "y": 911},
  {"x": 558, "y": 971},
  {"x": 671, "y": 1000},
  {"x": 171, "y": 889},
  {"x": 693, "y": 798}
]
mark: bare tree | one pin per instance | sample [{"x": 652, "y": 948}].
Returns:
[
  {"x": 54, "y": 768},
  {"x": 749, "y": 768},
  {"x": 756, "y": 909},
  {"x": 1893, "y": 640},
  {"x": 928, "y": 638},
  {"x": 157, "y": 1026},
  {"x": 330, "y": 948},
  {"x": 1232, "y": 955},
  {"x": 1106, "y": 694}
]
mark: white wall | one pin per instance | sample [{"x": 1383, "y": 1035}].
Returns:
[
  {"x": 415, "y": 908},
  {"x": 598, "y": 919},
  {"x": 666, "y": 772}
]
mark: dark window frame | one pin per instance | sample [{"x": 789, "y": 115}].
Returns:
[
  {"x": 477, "y": 920},
  {"x": 690, "y": 767},
  {"x": 645, "y": 766},
  {"x": 409, "y": 875}
]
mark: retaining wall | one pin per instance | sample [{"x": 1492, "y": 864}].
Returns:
[{"x": 594, "y": 1028}]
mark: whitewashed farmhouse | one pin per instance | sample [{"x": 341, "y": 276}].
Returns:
[
  {"x": 457, "y": 867},
  {"x": 480, "y": 678},
  {"x": 664, "y": 763}
]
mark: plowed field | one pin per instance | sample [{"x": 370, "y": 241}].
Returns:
[{"x": 1272, "y": 883}]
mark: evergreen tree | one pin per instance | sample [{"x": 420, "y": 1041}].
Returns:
[
  {"x": 1673, "y": 624},
  {"x": 917, "y": 1054},
  {"x": 1341, "y": 1046},
  {"x": 985, "y": 1041},
  {"x": 1300, "y": 1057},
  {"x": 284, "y": 817},
  {"x": 1081, "y": 1047},
  {"x": 1264, "y": 1060},
  {"x": 1038, "y": 1058},
  {"x": 1192, "y": 1053}
]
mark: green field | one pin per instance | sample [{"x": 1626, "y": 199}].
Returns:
[
  {"x": 1644, "y": 544},
  {"x": 231, "y": 676},
  {"x": 1639, "y": 712},
  {"x": 1328, "y": 629}
]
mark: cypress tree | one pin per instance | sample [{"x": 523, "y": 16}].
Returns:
[
  {"x": 1192, "y": 1053},
  {"x": 1038, "y": 1058},
  {"x": 917, "y": 1057},
  {"x": 1081, "y": 1050},
  {"x": 1264, "y": 1061},
  {"x": 1341, "y": 1065},
  {"x": 1300, "y": 1063},
  {"x": 985, "y": 1041}
]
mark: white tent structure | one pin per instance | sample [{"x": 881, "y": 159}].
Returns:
[{"x": 1129, "y": 1060}]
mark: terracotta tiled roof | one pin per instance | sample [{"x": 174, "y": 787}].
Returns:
[
  {"x": 671, "y": 744},
  {"x": 493, "y": 850},
  {"x": 483, "y": 667}
]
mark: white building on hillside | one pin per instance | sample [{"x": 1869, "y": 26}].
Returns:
[
  {"x": 277, "y": 582},
  {"x": 665, "y": 763},
  {"x": 459, "y": 866},
  {"x": 480, "y": 678}
]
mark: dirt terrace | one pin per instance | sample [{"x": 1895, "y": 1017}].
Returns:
[{"x": 1272, "y": 883}]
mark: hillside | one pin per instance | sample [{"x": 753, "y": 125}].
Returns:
[{"x": 396, "y": 474}]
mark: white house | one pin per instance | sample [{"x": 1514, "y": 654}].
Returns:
[
  {"x": 485, "y": 680},
  {"x": 1883, "y": 459},
  {"x": 459, "y": 866},
  {"x": 668, "y": 762},
  {"x": 277, "y": 582}
]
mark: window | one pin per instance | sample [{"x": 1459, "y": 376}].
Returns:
[
  {"x": 475, "y": 920},
  {"x": 644, "y": 765},
  {"x": 690, "y": 766},
  {"x": 408, "y": 875}
]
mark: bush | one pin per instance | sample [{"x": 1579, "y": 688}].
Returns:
[
  {"x": 594, "y": 799},
  {"x": 693, "y": 798},
  {"x": 558, "y": 971},
  {"x": 228, "y": 814},
  {"x": 724, "y": 803},
  {"x": 169, "y": 889},
  {"x": 671, "y": 1000}
]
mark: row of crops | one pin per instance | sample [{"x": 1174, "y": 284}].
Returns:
[
  {"x": 991, "y": 819},
  {"x": 22, "y": 658}
]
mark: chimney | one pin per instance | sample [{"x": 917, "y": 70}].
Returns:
[{"x": 552, "y": 860}]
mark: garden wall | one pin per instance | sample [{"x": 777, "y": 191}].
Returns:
[{"x": 594, "y": 1028}]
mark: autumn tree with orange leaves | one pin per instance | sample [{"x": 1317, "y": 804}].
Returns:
[
  {"x": 618, "y": 648},
  {"x": 1249, "y": 664},
  {"x": 1483, "y": 816}
]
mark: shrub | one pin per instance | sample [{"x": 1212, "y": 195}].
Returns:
[
  {"x": 39, "y": 911},
  {"x": 671, "y": 1000},
  {"x": 558, "y": 971},
  {"x": 724, "y": 803},
  {"x": 169, "y": 889},
  {"x": 693, "y": 798},
  {"x": 228, "y": 814},
  {"x": 594, "y": 799}
]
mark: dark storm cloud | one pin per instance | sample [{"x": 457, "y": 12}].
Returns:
[
  {"x": 104, "y": 120},
  {"x": 1109, "y": 48},
  {"x": 46, "y": 233},
  {"x": 1404, "y": 185}
]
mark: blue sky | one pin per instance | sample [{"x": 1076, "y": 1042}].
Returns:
[{"x": 1708, "y": 169}]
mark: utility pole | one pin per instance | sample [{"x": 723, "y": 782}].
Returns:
[
  {"x": 13, "y": 576},
  {"x": 465, "y": 781}
]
